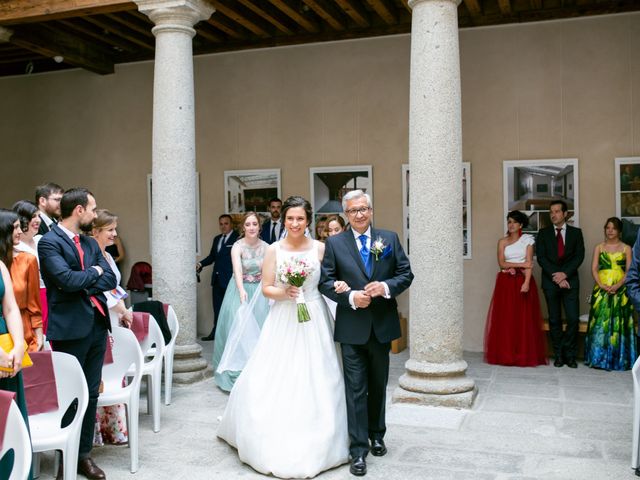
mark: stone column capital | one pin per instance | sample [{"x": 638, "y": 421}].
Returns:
[
  {"x": 414, "y": 3},
  {"x": 175, "y": 15},
  {"x": 5, "y": 34}
]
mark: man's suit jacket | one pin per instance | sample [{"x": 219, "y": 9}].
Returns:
[
  {"x": 547, "y": 254},
  {"x": 71, "y": 313},
  {"x": 265, "y": 233},
  {"x": 632, "y": 281},
  {"x": 222, "y": 268},
  {"x": 43, "y": 226},
  {"x": 342, "y": 261}
]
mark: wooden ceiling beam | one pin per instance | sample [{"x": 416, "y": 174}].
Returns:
[
  {"x": 356, "y": 13},
  {"x": 474, "y": 7},
  {"x": 292, "y": 12},
  {"x": 50, "y": 43},
  {"x": 107, "y": 41},
  {"x": 536, "y": 4},
  {"x": 272, "y": 18},
  {"x": 505, "y": 7},
  {"x": 133, "y": 25},
  {"x": 406, "y": 5},
  {"x": 205, "y": 33},
  {"x": 115, "y": 30},
  {"x": 384, "y": 11},
  {"x": 219, "y": 23},
  {"x": 236, "y": 16},
  {"x": 24, "y": 11},
  {"x": 328, "y": 14}
]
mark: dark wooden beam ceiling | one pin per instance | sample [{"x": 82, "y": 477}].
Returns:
[{"x": 22, "y": 11}]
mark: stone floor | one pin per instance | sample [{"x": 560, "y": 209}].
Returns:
[{"x": 526, "y": 423}]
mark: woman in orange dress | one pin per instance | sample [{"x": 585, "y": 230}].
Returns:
[{"x": 25, "y": 277}]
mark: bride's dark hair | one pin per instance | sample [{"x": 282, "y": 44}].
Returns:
[{"x": 294, "y": 202}]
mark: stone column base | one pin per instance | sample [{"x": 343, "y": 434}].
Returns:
[
  {"x": 189, "y": 366},
  {"x": 437, "y": 384}
]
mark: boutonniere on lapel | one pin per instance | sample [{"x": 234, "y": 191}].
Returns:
[{"x": 380, "y": 249}]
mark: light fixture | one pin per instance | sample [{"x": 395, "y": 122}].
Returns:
[{"x": 58, "y": 59}]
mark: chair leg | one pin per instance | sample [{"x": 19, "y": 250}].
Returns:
[
  {"x": 132, "y": 419},
  {"x": 70, "y": 460},
  {"x": 35, "y": 464},
  {"x": 168, "y": 377},
  {"x": 148, "y": 380},
  {"x": 156, "y": 398}
]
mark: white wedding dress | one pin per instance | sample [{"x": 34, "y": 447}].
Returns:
[{"x": 286, "y": 414}]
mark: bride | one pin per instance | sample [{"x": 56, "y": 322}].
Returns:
[{"x": 286, "y": 414}]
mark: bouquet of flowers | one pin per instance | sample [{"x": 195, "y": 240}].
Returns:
[{"x": 295, "y": 272}]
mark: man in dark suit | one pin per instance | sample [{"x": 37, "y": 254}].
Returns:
[
  {"x": 272, "y": 229},
  {"x": 48, "y": 198},
  {"x": 76, "y": 274},
  {"x": 560, "y": 251},
  {"x": 373, "y": 264},
  {"x": 220, "y": 256}
]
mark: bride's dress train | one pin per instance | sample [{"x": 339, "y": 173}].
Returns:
[{"x": 286, "y": 414}]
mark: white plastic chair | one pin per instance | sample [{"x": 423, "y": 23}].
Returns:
[
  {"x": 46, "y": 433},
  {"x": 152, "y": 369},
  {"x": 635, "y": 372},
  {"x": 126, "y": 354},
  {"x": 16, "y": 438},
  {"x": 174, "y": 327}
]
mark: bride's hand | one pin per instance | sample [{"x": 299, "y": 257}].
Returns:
[
  {"x": 340, "y": 286},
  {"x": 292, "y": 292},
  {"x": 243, "y": 296}
]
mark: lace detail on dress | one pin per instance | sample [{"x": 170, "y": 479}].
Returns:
[{"x": 252, "y": 258}]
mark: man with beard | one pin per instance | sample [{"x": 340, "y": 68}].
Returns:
[
  {"x": 76, "y": 274},
  {"x": 48, "y": 198},
  {"x": 272, "y": 229}
]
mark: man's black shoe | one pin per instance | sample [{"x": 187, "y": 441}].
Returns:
[
  {"x": 208, "y": 338},
  {"x": 558, "y": 362},
  {"x": 572, "y": 363},
  {"x": 378, "y": 448},
  {"x": 358, "y": 467}
]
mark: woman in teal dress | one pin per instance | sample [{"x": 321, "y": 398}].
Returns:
[
  {"x": 610, "y": 343},
  {"x": 11, "y": 322},
  {"x": 247, "y": 255}
]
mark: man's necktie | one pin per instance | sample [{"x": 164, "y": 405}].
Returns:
[
  {"x": 94, "y": 300},
  {"x": 560, "y": 243},
  {"x": 365, "y": 254},
  {"x": 223, "y": 239},
  {"x": 273, "y": 232}
]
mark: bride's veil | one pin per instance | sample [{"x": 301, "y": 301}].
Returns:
[{"x": 243, "y": 336}]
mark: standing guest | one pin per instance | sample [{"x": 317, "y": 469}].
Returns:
[
  {"x": 610, "y": 342},
  {"x": 24, "y": 276},
  {"x": 321, "y": 222},
  {"x": 11, "y": 381},
  {"x": 76, "y": 274},
  {"x": 48, "y": 202},
  {"x": 334, "y": 225},
  {"x": 112, "y": 420},
  {"x": 30, "y": 223},
  {"x": 117, "y": 250},
  {"x": 220, "y": 256},
  {"x": 272, "y": 229},
  {"x": 247, "y": 255},
  {"x": 513, "y": 334},
  {"x": 560, "y": 251},
  {"x": 373, "y": 263}
]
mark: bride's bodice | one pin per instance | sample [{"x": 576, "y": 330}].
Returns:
[{"x": 310, "y": 257}]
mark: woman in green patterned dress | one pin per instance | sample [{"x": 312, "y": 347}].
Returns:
[
  {"x": 610, "y": 343},
  {"x": 247, "y": 255},
  {"x": 11, "y": 322}
]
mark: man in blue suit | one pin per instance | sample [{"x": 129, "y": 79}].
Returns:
[
  {"x": 272, "y": 229},
  {"x": 373, "y": 264},
  {"x": 76, "y": 274},
  {"x": 220, "y": 256}
]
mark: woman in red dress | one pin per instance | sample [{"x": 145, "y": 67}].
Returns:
[{"x": 513, "y": 333}]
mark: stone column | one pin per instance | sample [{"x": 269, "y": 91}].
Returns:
[
  {"x": 435, "y": 370},
  {"x": 173, "y": 240}
]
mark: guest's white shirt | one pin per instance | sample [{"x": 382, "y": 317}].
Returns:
[{"x": 563, "y": 231}]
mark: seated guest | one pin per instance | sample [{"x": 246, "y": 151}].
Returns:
[
  {"x": 30, "y": 222},
  {"x": 111, "y": 420},
  {"x": 11, "y": 381},
  {"x": 513, "y": 333},
  {"x": 25, "y": 277},
  {"x": 610, "y": 342}
]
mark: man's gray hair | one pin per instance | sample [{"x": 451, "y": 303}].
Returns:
[{"x": 352, "y": 195}]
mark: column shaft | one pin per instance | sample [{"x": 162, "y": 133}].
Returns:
[{"x": 435, "y": 371}]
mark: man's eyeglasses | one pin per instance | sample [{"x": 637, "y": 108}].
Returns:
[{"x": 353, "y": 211}]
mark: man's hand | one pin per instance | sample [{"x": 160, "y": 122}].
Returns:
[
  {"x": 558, "y": 277},
  {"x": 340, "y": 286},
  {"x": 375, "y": 289},
  {"x": 564, "y": 284},
  {"x": 198, "y": 267},
  {"x": 361, "y": 299}
]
